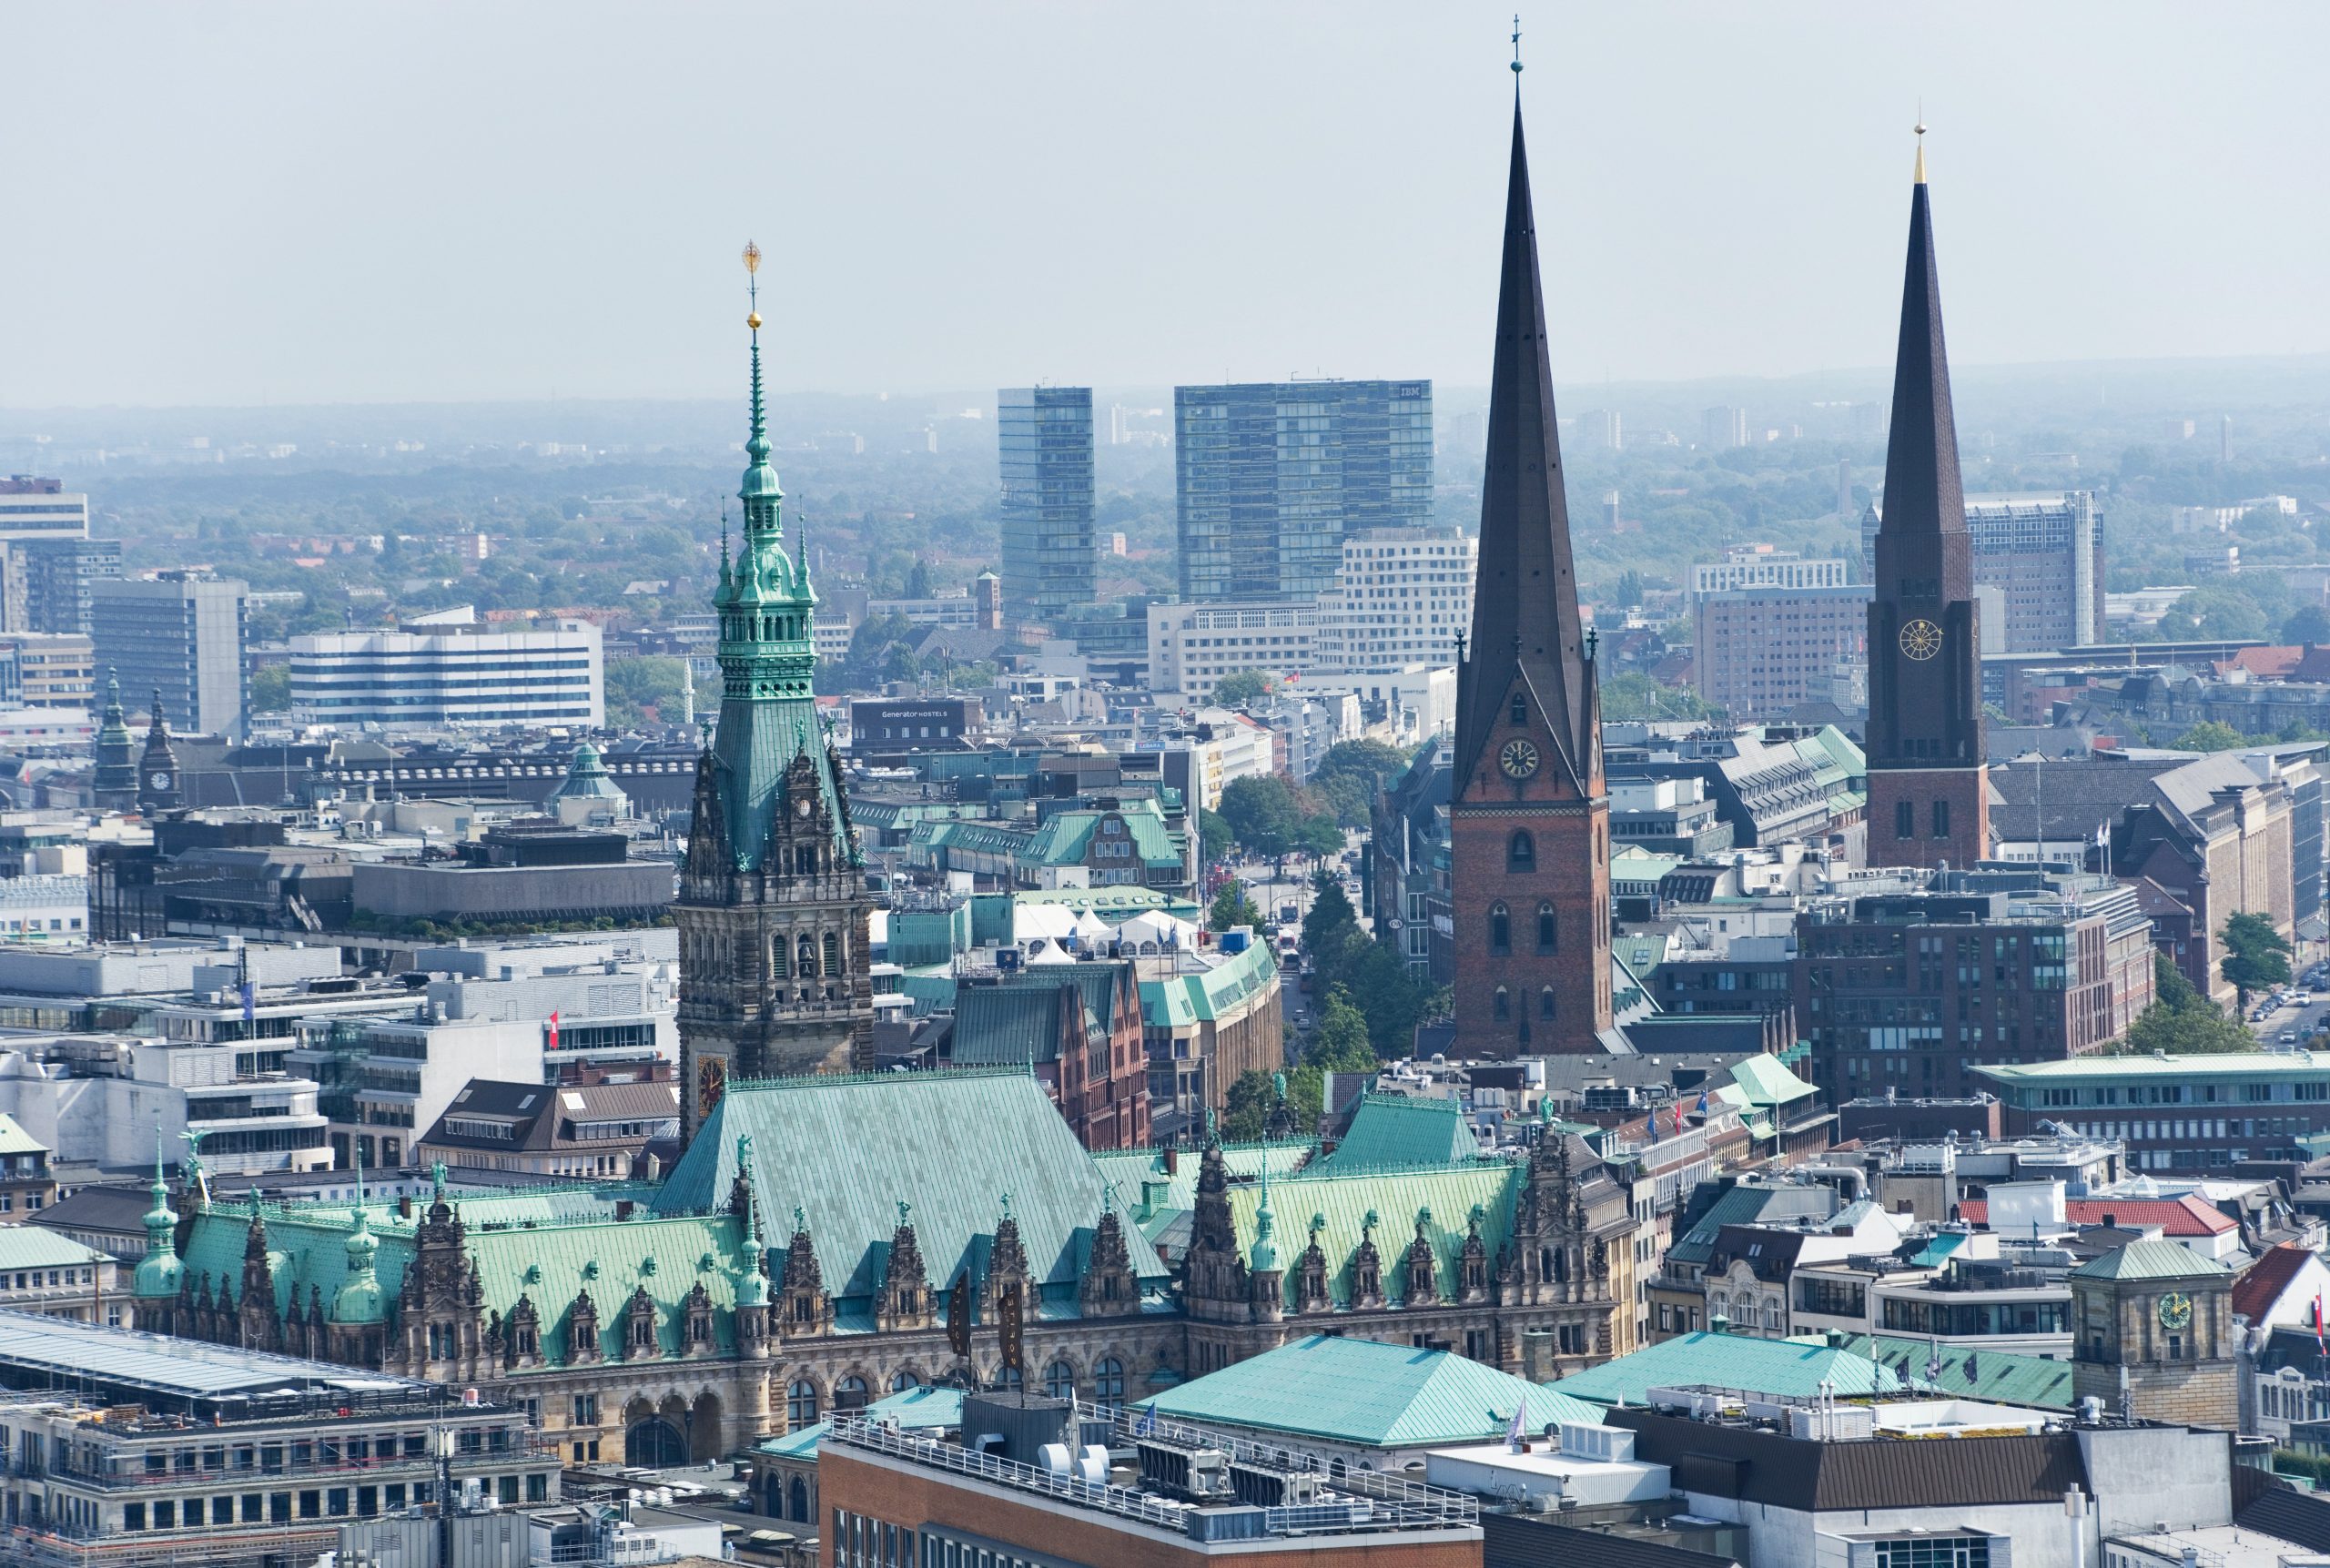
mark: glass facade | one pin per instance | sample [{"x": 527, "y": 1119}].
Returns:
[
  {"x": 1044, "y": 442},
  {"x": 1270, "y": 477}
]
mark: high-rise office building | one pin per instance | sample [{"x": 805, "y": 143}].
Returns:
[
  {"x": 55, "y": 576},
  {"x": 1044, "y": 441},
  {"x": 33, "y": 508},
  {"x": 1401, "y": 598},
  {"x": 2038, "y": 560},
  {"x": 1724, "y": 428},
  {"x": 179, "y": 633},
  {"x": 434, "y": 673},
  {"x": 1269, "y": 478}
]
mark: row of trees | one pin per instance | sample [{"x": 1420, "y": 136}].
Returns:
[
  {"x": 2183, "y": 1022},
  {"x": 1268, "y": 816}
]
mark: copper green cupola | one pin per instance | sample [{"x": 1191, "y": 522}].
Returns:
[
  {"x": 159, "y": 1272},
  {"x": 768, "y": 647}
]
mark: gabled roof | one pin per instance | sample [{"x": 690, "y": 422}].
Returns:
[
  {"x": 1334, "y": 1209},
  {"x": 15, "y": 1139},
  {"x": 1155, "y": 1196},
  {"x": 2184, "y": 1216},
  {"x": 1969, "y": 1373},
  {"x": 2150, "y": 1260},
  {"x": 2261, "y": 1284},
  {"x": 1396, "y": 1131},
  {"x": 32, "y": 1247},
  {"x": 1730, "y": 1361},
  {"x": 845, "y": 1149},
  {"x": 1365, "y": 1395}
]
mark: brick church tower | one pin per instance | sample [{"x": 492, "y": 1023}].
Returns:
[
  {"x": 773, "y": 904},
  {"x": 1528, "y": 815},
  {"x": 1929, "y": 792}
]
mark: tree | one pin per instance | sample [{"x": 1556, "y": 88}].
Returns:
[
  {"x": 2306, "y": 624},
  {"x": 271, "y": 689},
  {"x": 2183, "y": 1022},
  {"x": 1262, "y": 812},
  {"x": 2218, "y": 612},
  {"x": 1254, "y": 1096},
  {"x": 1332, "y": 921},
  {"x": 1340, "y": 1043},
  {"x": 1215, "y": 836},
  {"x": 1242, "y": 686},
  {"x": 1637, "y": 696},
  {"x": 1630, "y": 587},
  {"x": 1352, "y": 773},
  {"x": 1231, "y": 907},
  {"x": 1393, "y": 1001},
  {"x": 634, "y": 685},
  {"x": 1320, "y": 838},
  {"x": 2209, "y": 735},
  {"x": 2256, "y": 956}
]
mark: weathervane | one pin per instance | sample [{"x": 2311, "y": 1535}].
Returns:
[
  {"x": 1516, "y": 49},
  {"x": 753, "y": 283}
]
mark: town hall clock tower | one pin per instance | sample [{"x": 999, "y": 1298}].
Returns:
[
  {"x": 1929, "y": 792},
  {"x": 1529, "y": 835}
]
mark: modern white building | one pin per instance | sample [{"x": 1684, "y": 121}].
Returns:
[
  {"x": 179, "y": 635},
  {"x": 1400, "y": 598},
  {"x": 1192, "y": 646},
  {"x": 1761, "y": 566},
  {"x": 439, "y": 673}
]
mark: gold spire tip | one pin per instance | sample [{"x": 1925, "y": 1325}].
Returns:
[
  {"x": 1920, "y": 176},
  {"x": 753, "y": 252},
  {"x": 753, "y": 320}
]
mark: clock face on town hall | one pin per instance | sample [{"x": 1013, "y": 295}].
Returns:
[
  {"x": 1518, "y": 759},
  {"x": 1921, "y": 639}
]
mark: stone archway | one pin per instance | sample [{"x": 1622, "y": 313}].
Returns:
[
  {"x": 654, "y": 1443},
  {"x": 706, "y": 1438}
]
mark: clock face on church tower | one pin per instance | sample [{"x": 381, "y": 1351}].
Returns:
[
  {"x": 1921, "y": 639},
  {"x": 1518, "y": 759}
]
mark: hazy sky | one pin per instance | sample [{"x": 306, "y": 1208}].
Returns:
[{"x": 210, "y": 203}]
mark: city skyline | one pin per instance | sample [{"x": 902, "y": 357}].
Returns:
[{"x": 240, "y": 263}]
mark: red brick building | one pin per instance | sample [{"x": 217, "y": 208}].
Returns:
[
  {"x": 1078, "y": 1026},
  {"x": 1929, "y": 799},
  {"x": 1529, "y": 819}
]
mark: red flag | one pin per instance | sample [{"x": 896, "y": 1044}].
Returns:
[
  {"x": 1678, "y": 1116},
  {"x": 553, "y": 1031},
  {"x": 2318, "y": 1321}
]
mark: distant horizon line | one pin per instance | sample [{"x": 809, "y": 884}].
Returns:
[{"x": 1565, "y": 389}]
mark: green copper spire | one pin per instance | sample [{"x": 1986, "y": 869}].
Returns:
[
  {"x": 360, "y": 1298},
  {"x": 1264, "y": 1257},
  {"x": 767, "y": 650},
  {"x": 159, "y": 1273}
]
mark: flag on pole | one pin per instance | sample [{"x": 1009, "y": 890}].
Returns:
[
  {"x": 1650, "y": 1126},
  {"x": 1678, "y": 1116},
  {"x": 251, "y": 1001},
  {"x": 553, "y": 1031},
  {"x": 1933, "y": 1360},
  {"x": 2319, "y": 1344},
  {"x": 1514, "y": 1438}
]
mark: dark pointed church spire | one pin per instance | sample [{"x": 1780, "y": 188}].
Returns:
[
  {"x": 1922, "y": 493},
  {"x": 1524, "y": 605}
]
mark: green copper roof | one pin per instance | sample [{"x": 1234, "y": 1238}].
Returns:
[
  {"x": 928, "y": 1408},
  {"x": 955, "y": 1144},
  {"x": 36, "y": 1247},
  {"x": 1154, "y": 1196},
  {"x": 1211, "y": 990},
  {"x": 1391, "y": 1131},
  {"x": 548, "y": 1264},
  {"x": 1363, "y": 1394},
  {"x": 1335, "y": 1210},
  {"x": 587, "y": 778},
  {"x": 1730, "y": 1361},
  {"x": 2150, "y": 1260},
  {"x": 1971, "y": 1374},
  {"x": 1066, "y": 838},
  {"x": 15, "y": 1139},
  {"x": 1017, "y": 1019},
  {"x": 1767, "y": 1083}
]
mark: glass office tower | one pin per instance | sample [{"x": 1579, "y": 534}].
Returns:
[
  {"x": 1269, "y": 478},
  {"x": 1044, "y": 436}
]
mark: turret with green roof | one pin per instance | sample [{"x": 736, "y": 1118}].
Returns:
[
  {"x": 360, "y": 1298},
  {"x": 159, "y": 1272}
]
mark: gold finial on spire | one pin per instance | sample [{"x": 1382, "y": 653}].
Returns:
[
  {"x": 1920, "y": 176},
  {"x": 752, "y": 271}
]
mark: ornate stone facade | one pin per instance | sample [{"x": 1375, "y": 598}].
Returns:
[{"x": 773, "y": 907}]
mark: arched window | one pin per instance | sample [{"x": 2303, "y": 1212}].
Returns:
[
  {"x": 833, "y": 953},
  {"x": 1108, "y": 1380},
  {"x": 1060, "y": 1381},
  {"x": 1561, "y": 1265},
  {"x": 1500, "y": 928},
  {"x": 1548, "y": 936},
  {"x": 1521, "y": 852},
  {"x": 1520, "y": 709},
  {"x": 849, "y": 1394},
  {"x": 805, "y": 957},
  {"x": 1504, "y": 1005},
  {"x": 1545, "y": 1002},
  {"x": 1544, "y": 1263},
  {"x": 799, "y": 1512},
  {"x": 902, "y": 1382},
  {"x": 801, "y": 1405},
  {"x": 1006, "y": 1377}
]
